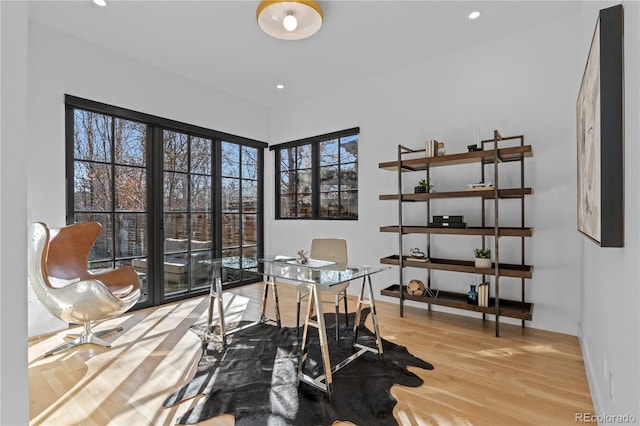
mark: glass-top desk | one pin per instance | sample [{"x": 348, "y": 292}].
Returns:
[{"x": 315, "y": 273}]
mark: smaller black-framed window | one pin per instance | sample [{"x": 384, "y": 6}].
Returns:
[{"x": 317, "y": 177}]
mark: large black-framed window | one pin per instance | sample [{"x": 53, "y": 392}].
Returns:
[
  {"x": 158, "y": 188},
  {"x": 317, "y": 177}
]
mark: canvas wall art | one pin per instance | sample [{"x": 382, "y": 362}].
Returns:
[{"x": 600, "y": 134}]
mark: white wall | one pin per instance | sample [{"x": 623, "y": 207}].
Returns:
[
  {"x": 59, "y": 65},
  {"x": 610, "y": 315},
  {"x": 14, "y": 384},
  {"x": 525, "y": 83}
]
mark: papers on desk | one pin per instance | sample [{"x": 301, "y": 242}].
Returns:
[
  {"x": 312, "y": 263},
  {"x": 284, "y": 258}
]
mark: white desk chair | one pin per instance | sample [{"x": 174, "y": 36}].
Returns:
[{"x": 334, "y": 250}]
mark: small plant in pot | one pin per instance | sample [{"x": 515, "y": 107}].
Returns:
[
  {"x": 483, "y": 257},
  {"x": 423, "y": 187}
]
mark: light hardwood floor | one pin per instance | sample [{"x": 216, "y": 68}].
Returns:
[{"x": 525, "y": 377}]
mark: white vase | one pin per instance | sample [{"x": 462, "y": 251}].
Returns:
[{"x": 483, "y": 263}]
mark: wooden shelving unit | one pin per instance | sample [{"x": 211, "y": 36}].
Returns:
[
  {"x": 492, "y": 155},
  {"x": 487, "y": 194},
  {"x": 506, "y": 270},
  {"x": 515, "y": 153},
  {"x": 509, "y": 308},
  {"x": 472, "y": 230}
]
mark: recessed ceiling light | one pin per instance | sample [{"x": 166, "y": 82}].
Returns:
[
  {"x": 100, "y": 2},
  {"x": 279, "y": 86},
  {"x": 474, "y": 15}
]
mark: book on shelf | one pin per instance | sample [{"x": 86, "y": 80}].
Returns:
[
  {"x": 431, "y": 148},
  {"x": 417, "y": 259},
  {"x": 483, "y": 295},
  {"x": 486, "y": 295},
  {"x": 479, "y": 188}
]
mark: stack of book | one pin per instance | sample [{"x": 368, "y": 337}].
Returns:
[
  {"x": 483, "y": 295},
  {"x": 433, "y": 148},
  {"x": 446, "y": 221},
  {"x": 417, "y": 259}
]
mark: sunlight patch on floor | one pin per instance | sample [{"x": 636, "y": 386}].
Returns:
[
  {"x": 541, "y": 349},
  {"x": 406, "y": 418},
  {"x": 283, "y": 396},
  {"x": 500, "y": 352}
]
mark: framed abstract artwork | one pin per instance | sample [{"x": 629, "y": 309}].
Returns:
[{"x": 600, "y": 134}]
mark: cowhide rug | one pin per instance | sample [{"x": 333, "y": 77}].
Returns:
[{"x": 255, "y": 379}]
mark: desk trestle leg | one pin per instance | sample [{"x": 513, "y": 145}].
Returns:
[
  {"x": 270, "y": 282},
  {"x": 362, "y": 301},
  {"x": 215, "y": 300},
  {"x": 323, "y": 382}
]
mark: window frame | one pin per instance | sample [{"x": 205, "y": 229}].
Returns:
[
  {"x": 314, "y": 142},
  {"x": 154, "y": 169}
]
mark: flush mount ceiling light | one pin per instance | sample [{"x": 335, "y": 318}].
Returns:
[
  {"x": 289, "y": 20},
  {"x": 102, "y": 3},
  {"x": 474, "y": 15}
]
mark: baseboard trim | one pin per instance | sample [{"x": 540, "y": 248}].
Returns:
[{"x": 591, "y": 374}]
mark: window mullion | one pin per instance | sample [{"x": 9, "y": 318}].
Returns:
[
  {"x": 296, "y": 200},
  {"x": 278, "y": 184},
  {"x": 240, "y": 204},
  {"x": 339, "y": 191},
  {"x": 156, "y": 247},
  {"x": 189, "y": 194},
  {"x": 112, "y": 139},
  {"x": 315, "y": 180},
  {"x": 217, "y": 208}
]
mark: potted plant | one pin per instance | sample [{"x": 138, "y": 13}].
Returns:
[
  {"x": 423, "y": 186},
  {"x": 483, "y": 257}
]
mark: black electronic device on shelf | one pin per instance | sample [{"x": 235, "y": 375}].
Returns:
[
  {"x": 447, "y": 221},
  {"x": 447, "y": 225}
]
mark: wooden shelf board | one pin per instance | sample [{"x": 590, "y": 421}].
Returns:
[
  {"x": 471, "y": 230},
  {"x": 487, "y": 195},
  {"x": 508, "y": 308},
  {"x": 505, "y": 269},
  {"x": 504, "y": 154}
]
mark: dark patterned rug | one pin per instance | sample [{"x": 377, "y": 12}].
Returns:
[{"x": 255, "y": 379}]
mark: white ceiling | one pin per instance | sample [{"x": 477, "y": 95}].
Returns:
[{"x": 218, "y": 43}]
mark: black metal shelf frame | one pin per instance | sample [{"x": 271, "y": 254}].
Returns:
[{"x": 490, "y": 155}]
